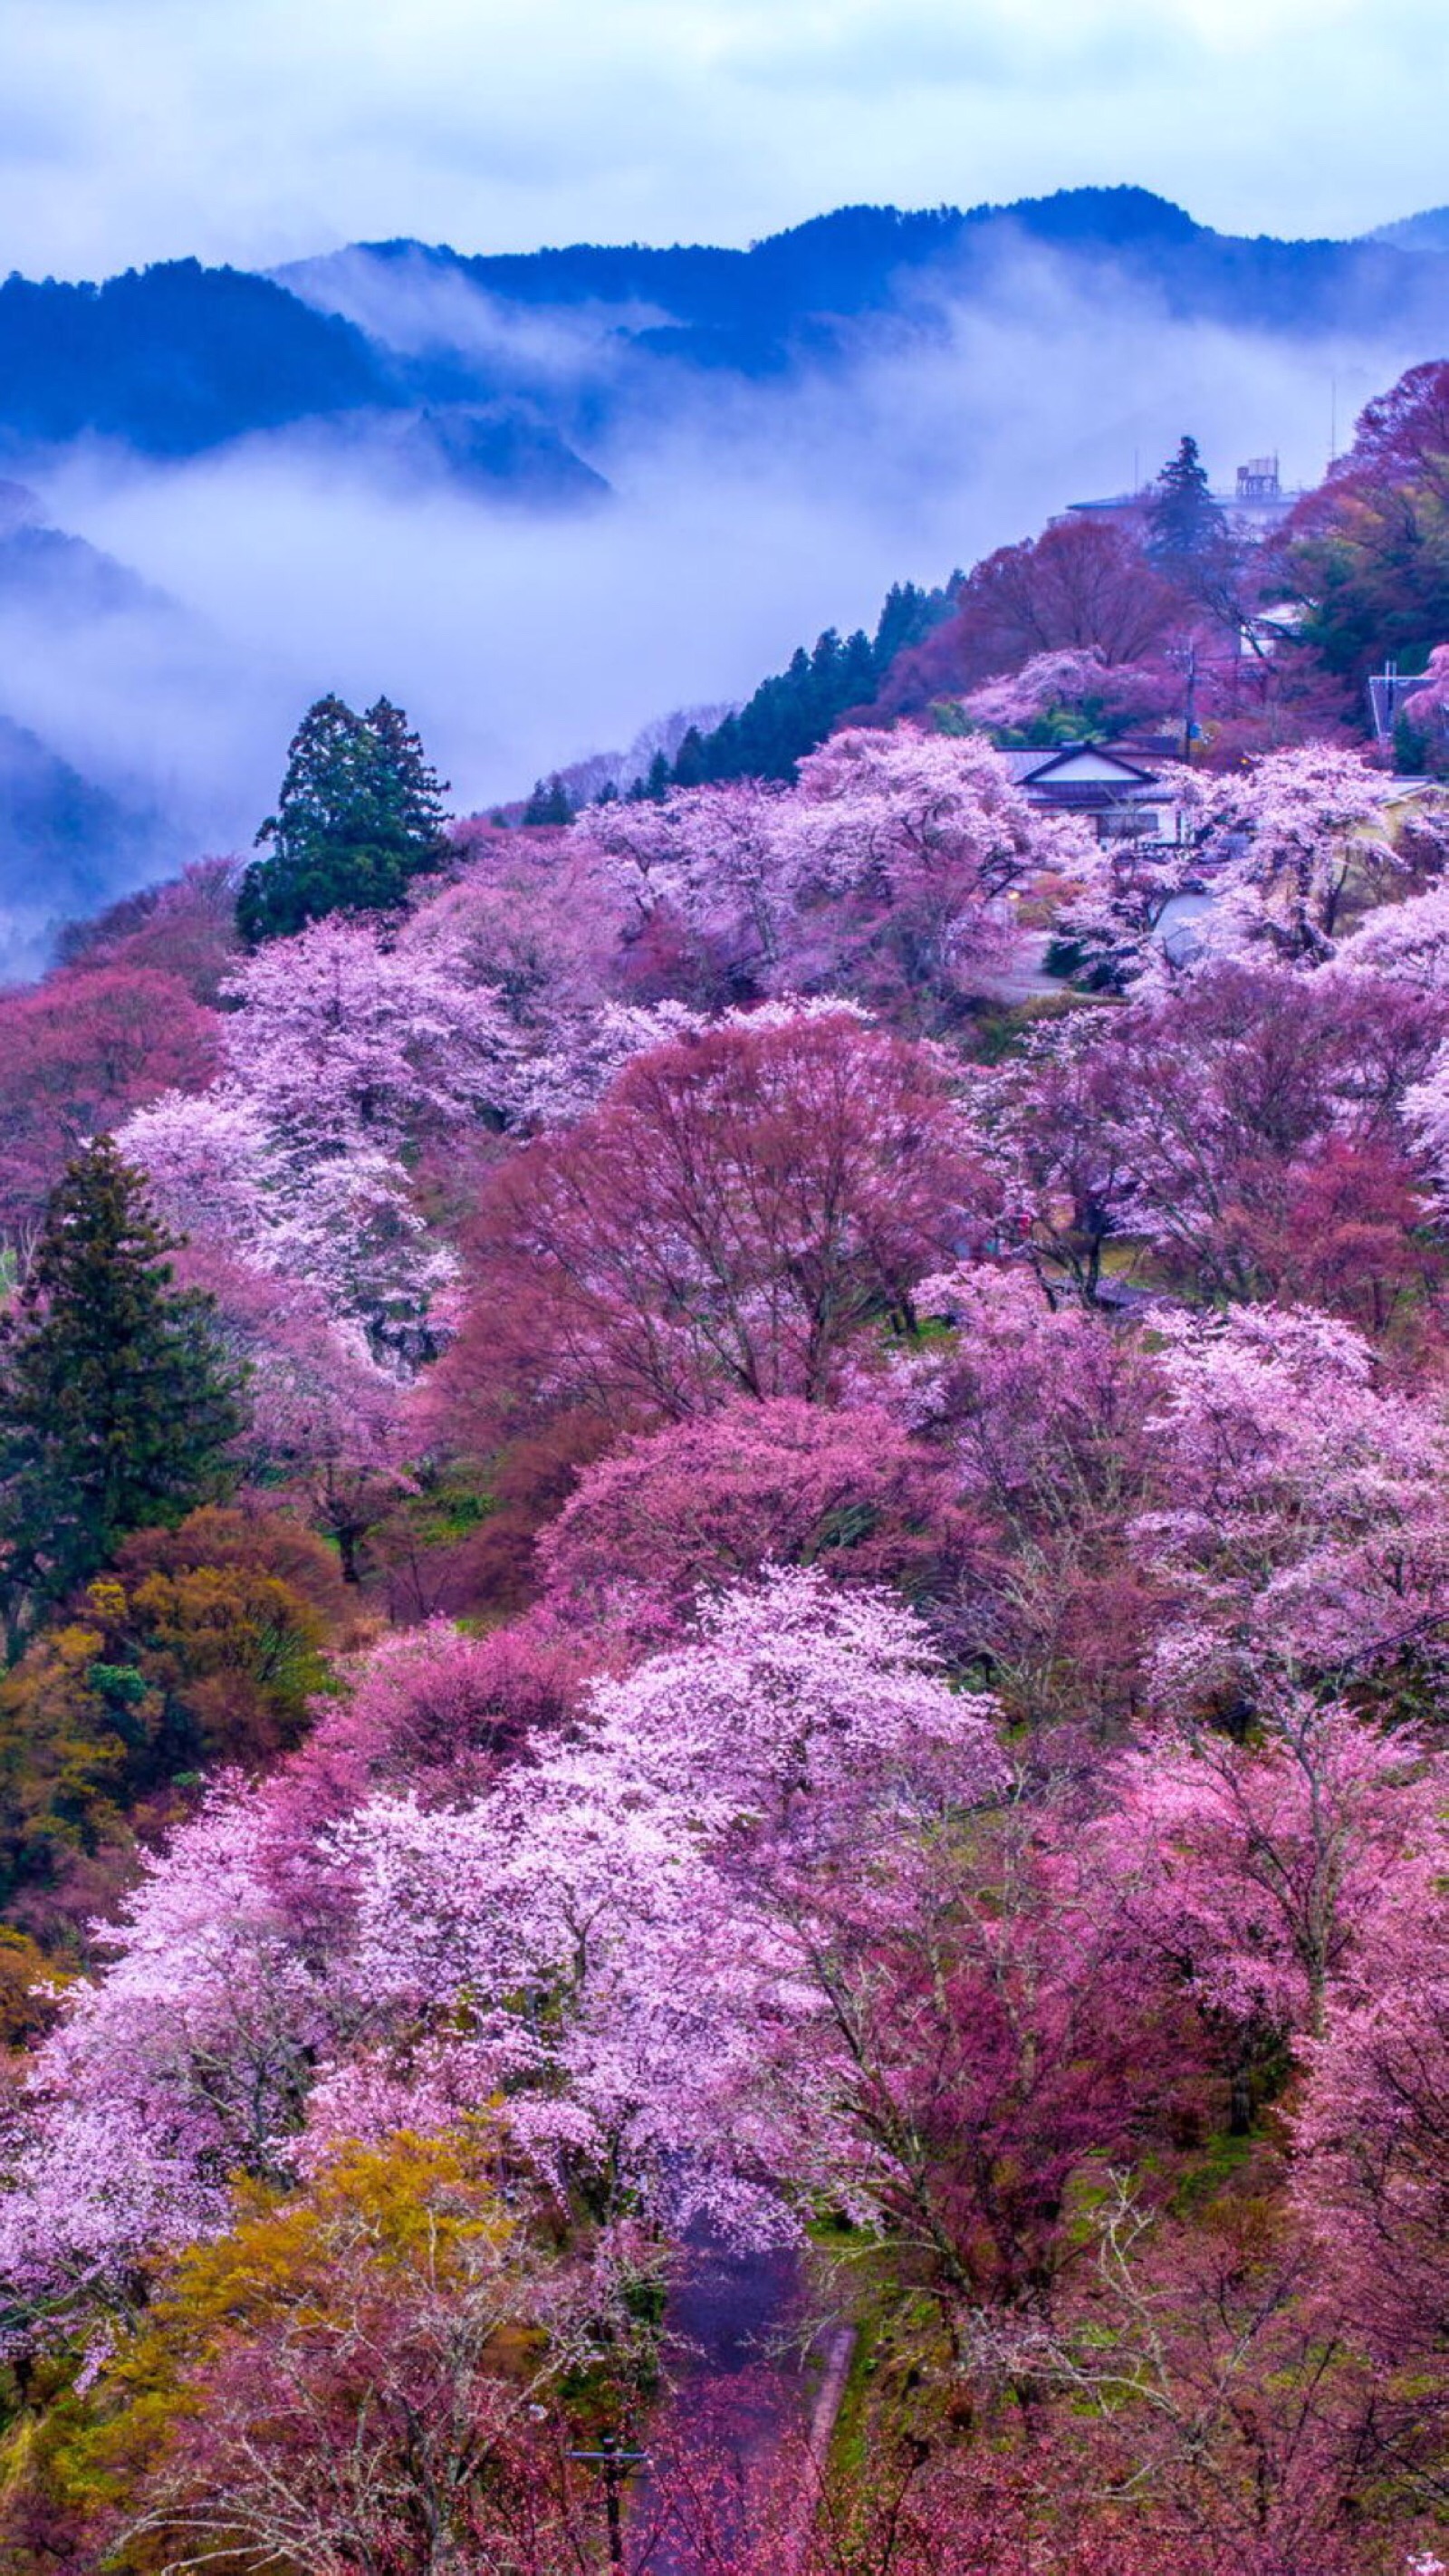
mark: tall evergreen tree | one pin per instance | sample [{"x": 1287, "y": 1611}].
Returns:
[
  {"x": 116, "y": 1406},
  {"x": 791, "y": 713},
  {"x": 1184, "y": 522},
  {"x": 359, "y": 816},
  {"x": 689, "y": 767},
  {"x": 549, "y": 804}
]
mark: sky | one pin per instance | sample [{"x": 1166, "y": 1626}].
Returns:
[
  {"x": 259, "y": 130},
  {"x": 743, "y": 518}
]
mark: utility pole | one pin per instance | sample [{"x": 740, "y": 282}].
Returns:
[
  {"x": 1189, "y": 712},
  {"x": 615, "y": 2466}
]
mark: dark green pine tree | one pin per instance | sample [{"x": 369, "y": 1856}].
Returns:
[
  {"x": 359, "y": 816},
  {"x": 116, "y": 1404},
  {"x": 791, "y": 713},
  {"x": 907, "y": 616},
  {"x": 1184, "y": 522},
  {"x": 548, "y": 804},
  {"x": 690, "y": 769}
]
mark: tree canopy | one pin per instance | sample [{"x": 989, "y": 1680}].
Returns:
[
  {"x": 116, "y": 1408},
  {"x": 360, "y": 815}
]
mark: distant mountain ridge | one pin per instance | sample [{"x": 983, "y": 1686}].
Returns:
[
  {"x": 179, "y": 358},
  {"x": 66, "y": 846},
  {"x": 1429, "y": 231},
  {"x": 755, "y": 308}
]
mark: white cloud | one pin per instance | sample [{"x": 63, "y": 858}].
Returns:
[
  {"x": 261, "y": 129},
  {"x": 743, "y": 523}
]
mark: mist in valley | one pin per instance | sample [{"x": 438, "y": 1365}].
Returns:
[{"x": 741, "y": 519}]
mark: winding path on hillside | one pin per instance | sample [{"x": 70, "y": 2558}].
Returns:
[{"x": 743, "y": 2398}]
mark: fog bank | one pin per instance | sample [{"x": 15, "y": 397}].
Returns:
[{"x": 743, "y": 519}]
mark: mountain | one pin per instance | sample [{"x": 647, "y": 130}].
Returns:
[
  {"x": 494, "y": 367},
  {"x": 172, "y": 359},
  {"x": 1429, "y": 231},
  {"x": 66, "y": 845},
  {"x": 795, "y": 296},
  {"x": 66, "y": 842},
  {"x": 492, "y": 449},
  {"x": 175, "y": 359},
  {"x": 47, "y": 570}
]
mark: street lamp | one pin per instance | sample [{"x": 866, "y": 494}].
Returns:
[{"x": 615, "y": 2466}]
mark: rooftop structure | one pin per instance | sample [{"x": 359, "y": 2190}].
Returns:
[
  {"x": 1256, "y": 505},
  {"x": 1110, "y": 787}
]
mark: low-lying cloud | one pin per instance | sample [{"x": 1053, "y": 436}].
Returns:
[{"x": 744, "y": 518}]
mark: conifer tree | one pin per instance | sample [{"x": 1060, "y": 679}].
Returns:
[
  {"x": 116, "y": 1406},
  {"x": 549, "y": 804},
  {"x": 689, "y": 766},
  {"x": 1184, "y": 522},
  {"x": 359, "y": 816}
]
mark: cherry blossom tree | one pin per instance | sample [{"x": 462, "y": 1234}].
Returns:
[
  {"x": 1040, "y": 1414},
  {"x": 1200, "y": 2383},
  {"x": 339, "y": 1039},
  {"x": 542, "y": 1928},
  {"x": 1218, "y": 1124},
  {"x": 433, "y": 1712},
  {"x": 1426, "y": 710},
  {"x": 944, "y": 2035},
  {"x": 189, "y": 2059},
  {"x": 1300, "y": 1525},
  {"x": 78, "y": 1054},
  {"x": 708, "y": 1501},
  {"x": 730, "y": 1221},
  {"x": 1116, "y": 918},
  {"x": 1266, "y": 1870},
  {"x": 883, "y": 871},
  {"x": 1052, "y": 1128},
  {"x": 1297, "y": 834},
  {"x": 905, "y": 846},
  {"x": 1408, "y": 942},
  {"x": 329, "y": 1420},
  {"x": 1075, "y": 681},
  {"x": 342, "y": 1054},
  {"x": 184, "y": 927},
  {"x": 718, "y": 858},
  {"x": 1371, "y": 2180}
]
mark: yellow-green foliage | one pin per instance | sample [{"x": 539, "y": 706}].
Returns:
[
  {"x": 380, "y": 2230},
  {"x": 204, "y": 1645}
]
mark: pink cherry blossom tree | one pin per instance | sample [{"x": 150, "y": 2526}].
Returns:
[
  {"x": 1408, "y": 942},
  {"x": 1428, "y": 707},
  {"x": 1072, "y": 680},
  {"x": 1266, "y": 1870},
  {"x": 339, "y": 1039},
  {"x": 540, "y": 1930},
  {"x": 739, "y": 1211},
  {"x": 1250, "y": 1128},
  {"x": 1300, "y": 1524},
  {"x": 707, "y": 1502},
  {"x": 1039, "y": 1413},
  {"x": 1295, "y": 836},
  {"x": 1371, "y": 2179},
  {"x": 908, "y": 846}
]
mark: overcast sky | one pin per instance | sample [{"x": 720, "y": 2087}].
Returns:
[{"x": 256, "y": 130}]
